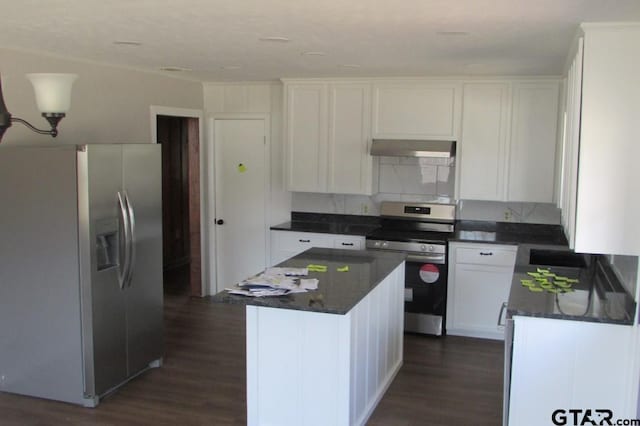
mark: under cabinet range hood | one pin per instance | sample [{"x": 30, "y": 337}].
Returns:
[{"x": 413, "y": 148}]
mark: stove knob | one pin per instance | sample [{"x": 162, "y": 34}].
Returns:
[
  {"x": 423, "y": 247},
  {"x": 430, "y": 248},
  {"x": 385, "y": 244},
  {"x": 376, "y": 244}
]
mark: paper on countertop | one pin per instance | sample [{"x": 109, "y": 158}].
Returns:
[
  {"x": 289, "y": 272},
  {"x": 258, "y": 293},
  {"x": 309, "y": 283},
  {"x": 277, "y": 282}
]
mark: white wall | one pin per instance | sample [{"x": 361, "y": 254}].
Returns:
[{"x": 108, "y": 104}]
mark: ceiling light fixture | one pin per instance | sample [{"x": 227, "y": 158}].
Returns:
[
  {"x": 175, "y": 69},
  {"x": 452, "y": 33},
  {"x": 53, "y": 97},
  {"x": 313, "y": 53},
  {"x": 127, "y": 43},
  {"x": 275, "y": 39}
]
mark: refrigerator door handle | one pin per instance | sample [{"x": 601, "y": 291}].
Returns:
[
  {"x": 132, "y": 239},
  {"x": 123, "y": 267}
]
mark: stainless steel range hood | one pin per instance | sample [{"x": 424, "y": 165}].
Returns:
[{"x": 413, "y": 148}]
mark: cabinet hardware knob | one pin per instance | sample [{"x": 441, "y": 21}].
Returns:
[
  {"x": 347, "y": 244},
  {"x": 220, "y": 222},
  {"x": 486, "y": 253},
  {"x": 305, "y": 241}
]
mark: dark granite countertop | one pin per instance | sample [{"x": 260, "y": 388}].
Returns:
[
  {"x": 330, "y": 223},
  {"x": 475, "y": 231},
  {"x": 508, "y": 233},
  {"x": 337, "y": 292},
  {"x": 597, "y": 297}
]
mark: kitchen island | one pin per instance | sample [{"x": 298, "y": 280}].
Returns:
[{"x": 327, "y": 356}]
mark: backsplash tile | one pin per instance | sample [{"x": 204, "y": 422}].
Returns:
[
  {"x": 423, "y": 180},
  {"x": 543, "y": 213}
]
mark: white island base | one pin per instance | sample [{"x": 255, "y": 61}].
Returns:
[{"x": 312, "y": 368}]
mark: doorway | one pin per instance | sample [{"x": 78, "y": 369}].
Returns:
[
  {"x": 242, "y": 188},
  {"x": 180, "y": 140}
]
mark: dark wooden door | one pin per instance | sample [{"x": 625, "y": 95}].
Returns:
[{"x": 172, "y": 135}]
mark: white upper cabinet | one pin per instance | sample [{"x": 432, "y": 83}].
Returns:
[
  {"x": 327, "y": 136},
  {"x": 306, "y": 134},
  {"x": 350, "y": 165},
  {"x": 483, "y": 147},
  {"x": 532, "y": 147},
  {"x": 607, "y": 203},
  {"x": 508, "y": 141},
  {"x": 416, "y": 110}
]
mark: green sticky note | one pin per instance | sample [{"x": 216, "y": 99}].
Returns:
[
  {"x": 562, "y": 284},
  {"x": 242, "y": 168},
  {"x": 569, "y": 280},
  {"x": 534, "y": 274},
  {"x": 345, "y": 268},
  {"x": 553, "y": 290},
  {"x": 541, "y": 270},
  {"x": 536, "y": 289},
  {"x": 560, "y": 278}
]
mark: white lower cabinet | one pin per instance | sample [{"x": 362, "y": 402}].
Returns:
[
  {"x": 479, "y": 282},
  {"x": 286, "y": 244},
  {"x": 567, "y": 365}
]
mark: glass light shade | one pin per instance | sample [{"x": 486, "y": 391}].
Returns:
[{"x": 53, "y": 91}]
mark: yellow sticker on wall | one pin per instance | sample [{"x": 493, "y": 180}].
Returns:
[{"x": 242, "y": 168}]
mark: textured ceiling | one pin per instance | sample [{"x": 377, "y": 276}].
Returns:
[{"x": 219, "y": 40}]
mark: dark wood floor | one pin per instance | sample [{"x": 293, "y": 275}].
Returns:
[{"x": 449, "y": 381}]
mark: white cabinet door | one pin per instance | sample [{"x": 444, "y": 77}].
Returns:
[
  {"x": 483, "y": 146},
  {"x": 350, "y": 165},
  {"x": 608, "y": 205},
  {"x": 532, "y": 144},
  {"x": 480, "y": 278},
  {"x": 561, "y": 364},
  {"x": 327, "y": 136},
  {"x": 571, "y": 145},
  {"x": 306, "y": 137},
  {"x": 416, "y": 110}
]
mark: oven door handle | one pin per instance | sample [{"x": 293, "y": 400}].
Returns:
[{"x": 431, "y": 258}]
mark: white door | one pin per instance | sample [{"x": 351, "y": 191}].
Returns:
[{"x": 241, "y": 185}]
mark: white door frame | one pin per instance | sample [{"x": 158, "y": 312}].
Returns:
[
  {"x": 211, "y": 162},
  {"x": 155, "y": 111}
]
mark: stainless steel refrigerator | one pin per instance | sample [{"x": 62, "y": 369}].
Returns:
[{"x": 80, "y": 268}]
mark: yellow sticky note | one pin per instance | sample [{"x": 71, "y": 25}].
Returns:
[{"x": 242, "y": 168}]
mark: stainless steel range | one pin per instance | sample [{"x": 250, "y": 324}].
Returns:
[{"x": 421, "y": 230}]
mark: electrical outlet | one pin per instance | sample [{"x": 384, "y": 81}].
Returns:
[{"x": 507, "y": 215}]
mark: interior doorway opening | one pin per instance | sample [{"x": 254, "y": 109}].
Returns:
[{"x": 180, "y": 140}]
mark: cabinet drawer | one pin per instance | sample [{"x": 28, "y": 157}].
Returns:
[
  {"x": 300, "y": 241},
  {"x": 486, "y": 255},
  {"x": 354, "y": 243}
]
